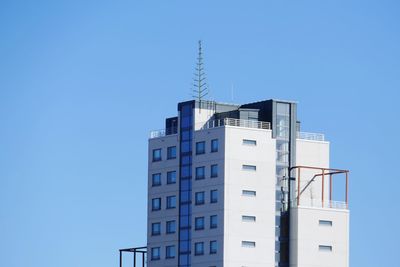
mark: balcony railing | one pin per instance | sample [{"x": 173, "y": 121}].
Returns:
[
  {"x": 318, "y": 203},
  {"x": 311, "y": 136},
  {"x": 236, "y": 123},
  {"x": 215, "y": 124}
]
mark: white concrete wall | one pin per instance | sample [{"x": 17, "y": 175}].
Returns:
[
  {"x": 162, "y": 191},
  {"x": 208, "y": 209},
  {"x": 307, "y": 235},
  {"x": 262, "y": 206},
  {"x": 316, "y": 154}
]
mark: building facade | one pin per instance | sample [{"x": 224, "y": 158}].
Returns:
[{"x": 240, "y": 185}]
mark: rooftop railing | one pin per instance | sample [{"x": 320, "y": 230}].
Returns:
[
  {"x": 216, "y": 123},
  {"x": 318, "y": 203},
  {"x": 237, "y": 123},
  {"x": 311, "y": 136}
]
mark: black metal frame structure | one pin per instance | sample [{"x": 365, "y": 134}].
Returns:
[{"x": 138, "y": 253}]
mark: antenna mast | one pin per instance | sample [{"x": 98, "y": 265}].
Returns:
[{"x": 200, "y": 88}]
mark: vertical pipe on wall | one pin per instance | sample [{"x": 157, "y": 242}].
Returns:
[{"x": 323, "y": 183}]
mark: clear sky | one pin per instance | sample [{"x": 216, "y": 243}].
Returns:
[{"x": 83, "y": 82}]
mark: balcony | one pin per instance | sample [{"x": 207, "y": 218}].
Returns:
[
  {"x": 216, "y": 123},
  {"x": 311, "y": 136},
  {"x": 234, "y": 122}
]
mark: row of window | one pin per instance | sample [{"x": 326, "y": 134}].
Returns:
[
  {"x": 170, "y": 226},
  {"x": 170, "y": 250},
  {"x": 200, "y": 173},
  {"x": 199, "y": 199},
  {"x": 171, "y": 151},
  {"x": 200, "y": 149}
]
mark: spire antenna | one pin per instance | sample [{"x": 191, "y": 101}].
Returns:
[{"x": 200, "y": 87}]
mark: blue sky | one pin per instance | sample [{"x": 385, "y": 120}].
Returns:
[{"x": 83, "y": 82}]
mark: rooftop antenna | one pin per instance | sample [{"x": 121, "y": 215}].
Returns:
[{"x": 200, "y": 87}]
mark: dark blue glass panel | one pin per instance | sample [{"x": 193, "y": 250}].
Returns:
[
  {"x": 186, "y": 184},
  {"x": 186, "y": 122},
  {"x": 185, "y": 196},
  {"x": 186, "y": 146},
  {"x": 186, "y": 135},
  {"x": 186, "y": 160}
]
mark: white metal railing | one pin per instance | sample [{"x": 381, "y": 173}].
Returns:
[
  {"x": 311, "y": 136},
  {"x": 157, "y": 133},
  {"x": 219, "y": 123},
  {"x": 236, "y": 123},
  {"x": 317, "y": 203}
]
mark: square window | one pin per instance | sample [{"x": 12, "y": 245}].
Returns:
[
  {"x": 171, "y": 202},
  {"x": 199, "y": 223},
  {"x": 213, "y": 221},
  {"x": 156, "y": 204},
  {"x": 171, "y": 177},
  {"x": 249, "y": 142},
  {"x": 171, "y": 227},
  {"x": 248, "y": 244},
  {"x": 171, "y": 152},
  {"x": 214, "y": 145},
  {"x": 325, "y": 223},
  {"x": 214, "y": 170},
  {"x": 199, "y": 198},
  {"x": 199, "y": 248},
  {"x": 156, "y": 228},
  {"x": 249, "y": 167},
  {"x": 157, "y": 154},
  {"x": 156, "y": 179},
  {"x": 170, "y": 252},
  {"x": 200, "y": 148},
  {"x": 247, "y": 218},
  {"x": 249, "y": 193},
  {"x": 214, "y": 196},
  {"x": 200, "y": 173},
  {"x": 155, "y": 253},
  {"x": 213, "y": 247},
  {"x": 325, "y": 248}
]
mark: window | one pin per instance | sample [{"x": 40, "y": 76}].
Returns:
[
  {"x": 199, "y": 198},
  {"x": 200, "y": 173},
  {"x": 156, "y": 179},
  {"x": 249, "y": 142},
  {"x": 249, "y": 167},
  {"x": 156, "y": 204},
  {"x": 214, "y": 145},
  {"x": 155, "y": 253},
  {"x": 170, "y": 252},
  {"x": 199, "y": 223},
  {"x": 171, "y": 177},
  {"x": 214, "y": 170},
  {"x": 325, "y": 223},
  {"x": 325, "y": 248},
  {"x": 156, "y": 228},
  {"x": 171, "y": 227},
  {"x": 171, "y": 152},
  {"x": 200, "y": 148},
  {"x": 199, "y": 248},
  {"x": 248, "y": 244},
  {"x": 213, "y": 247},
  {"x": 249, "y": 193},
  {"x": 171, "y": 202},
  {"x": 213, "y": 221},
  {"x": 157, "y": 154},
  {"x": 214, "y": 196},
  {"x": 246, "y": 218}
]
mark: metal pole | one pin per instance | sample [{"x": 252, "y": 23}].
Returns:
[
  {"x": 134, "y": 258},
  {"x": 143, "y": 260},
  {"x": 323, "y": 182},
  {"x": 330, "y": 190},
  {"x": 298, "y": 186},
  {"x": 120, "y": 258},
  {"x": 347, "y": 189}
]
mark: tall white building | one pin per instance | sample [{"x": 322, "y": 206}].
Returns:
[{"x": 240, "y": 185}]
